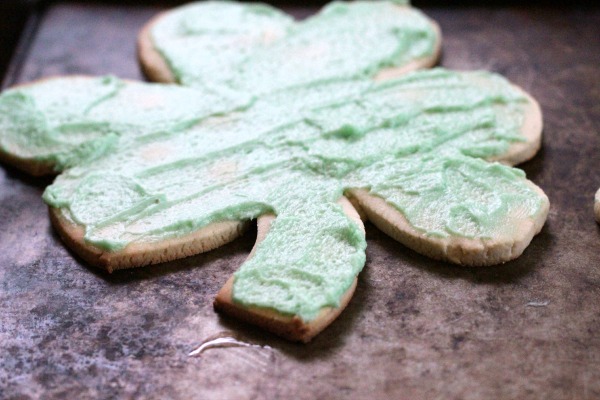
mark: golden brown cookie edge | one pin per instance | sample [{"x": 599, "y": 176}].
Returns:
[
  {"x": 146, "y": 253},
  {"x": 456, "y": 250},
  {"x": 152, "y": 63},
  {"x": 289, "y": 327}
]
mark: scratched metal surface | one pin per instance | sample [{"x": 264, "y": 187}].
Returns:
[{"x": 415, "y": 328}]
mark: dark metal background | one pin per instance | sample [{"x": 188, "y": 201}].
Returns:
[{"x": 416, "y": 328}]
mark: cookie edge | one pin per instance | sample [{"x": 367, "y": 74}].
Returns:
[
  {"x": 531, "y": 130},
  {"x": 30, "y": 166},
  {"x": 290, "y": 327},
  {"x": 465, "y": 251},
  {"x": 152, "y": 63},
  {"x": 456, "y": 250},
  {"x": 33, "y": 166},
  {"x": 145, "y": 253}
]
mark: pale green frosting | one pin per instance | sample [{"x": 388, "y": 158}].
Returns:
[
  {"x": 286, "y": 120},
  {"x": 168, "y": 161},
  {"x": 219, "y": 46}
]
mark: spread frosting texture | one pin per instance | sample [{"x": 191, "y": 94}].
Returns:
[
  {"x": 279, "y": 117},
  {"x": 219, "y": 46},
  {"x": 150, "y": 162}
]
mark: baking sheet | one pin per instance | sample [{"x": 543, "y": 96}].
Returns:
[{"x": 416, "y": 328}]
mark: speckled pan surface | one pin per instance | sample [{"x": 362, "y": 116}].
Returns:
[{"x": 415, "y": 328}]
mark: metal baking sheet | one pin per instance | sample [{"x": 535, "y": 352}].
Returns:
[{"x": 416, "y": 328}]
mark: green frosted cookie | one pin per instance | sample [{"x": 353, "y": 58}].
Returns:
[{"x": 284, "y": 126}]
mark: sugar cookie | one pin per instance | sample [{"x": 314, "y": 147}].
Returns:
[
  {"x": 154, "y": 172},
  {"x": 178, "y": 181}
]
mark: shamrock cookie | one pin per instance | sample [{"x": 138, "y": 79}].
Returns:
[
  {"x": 157, "y": 172},
  {"x": 154, "y": 172}
]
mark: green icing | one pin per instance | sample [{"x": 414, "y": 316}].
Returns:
[
  {"x": 222, "y": 46},
  {"x": 286, "y": 120},
  {"x": 42, "y": 123},
  {"x": 180, "y": 159}
]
